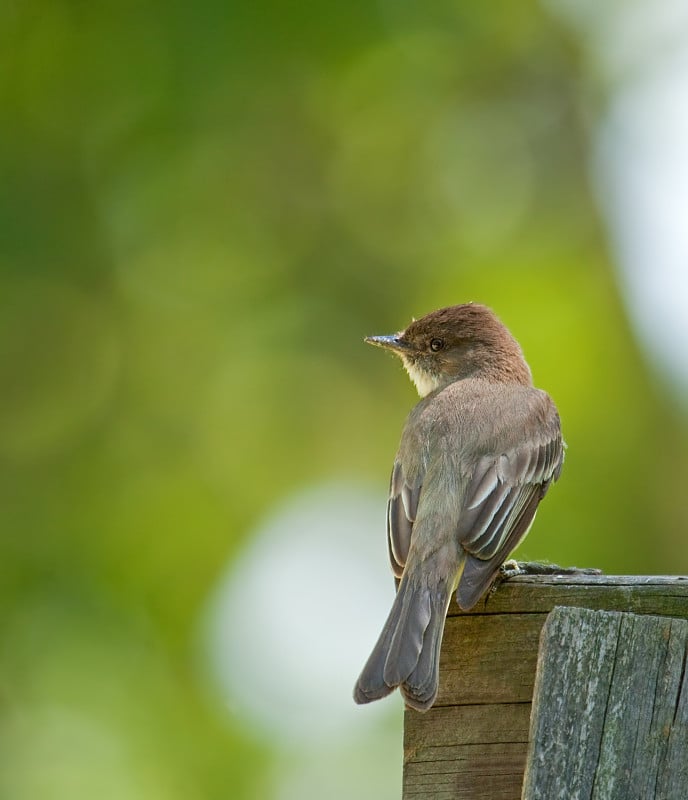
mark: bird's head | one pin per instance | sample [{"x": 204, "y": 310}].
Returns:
[{"x": 454, "y": 343}]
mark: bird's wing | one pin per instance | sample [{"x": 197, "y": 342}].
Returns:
[
  {"x": 401, "y": 514},
  {"x": 500, "y": 504}
]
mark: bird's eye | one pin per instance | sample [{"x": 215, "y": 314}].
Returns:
[{"x": 436, "y": 345}]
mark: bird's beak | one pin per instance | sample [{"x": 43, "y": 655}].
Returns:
[{"x": 392, "y": 342}]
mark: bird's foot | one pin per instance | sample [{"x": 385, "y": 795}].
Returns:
[{"x": 513, "y": 568}]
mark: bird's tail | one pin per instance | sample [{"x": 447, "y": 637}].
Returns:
[{"x": 407, "y": 653}]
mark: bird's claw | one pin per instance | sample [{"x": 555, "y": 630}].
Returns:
[
  {"x": 513, "y": 568},
  {"x": 543, "y": 568}
]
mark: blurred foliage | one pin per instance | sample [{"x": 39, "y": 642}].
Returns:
[{"x": 204, "y": 207}]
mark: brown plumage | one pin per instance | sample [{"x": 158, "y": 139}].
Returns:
[{"x": 477, "y": 454}]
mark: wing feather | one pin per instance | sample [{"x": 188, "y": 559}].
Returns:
[
  {"x": 494, "y": 522},
  {"x": 401, "y": 514}
]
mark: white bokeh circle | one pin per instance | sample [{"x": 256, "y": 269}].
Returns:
[{"x": 291, "y": 622}]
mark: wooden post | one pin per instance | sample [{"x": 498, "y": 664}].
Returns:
[
  {"x": 473, "y": 743},
  {"x": 610, "y": 708}
]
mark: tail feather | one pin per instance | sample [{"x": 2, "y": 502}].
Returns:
[
  {"x": 406, "y": 644},
  {"x": 407, "y": 652},
  {"x": 420, "y": 688}
]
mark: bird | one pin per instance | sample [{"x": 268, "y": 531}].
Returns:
[{"x": 477, "y": 455}]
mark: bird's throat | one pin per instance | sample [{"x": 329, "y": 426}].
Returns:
[{"x": 425, "y": 382}]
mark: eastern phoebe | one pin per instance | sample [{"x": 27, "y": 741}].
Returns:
[{"x": 477, "y": 454}]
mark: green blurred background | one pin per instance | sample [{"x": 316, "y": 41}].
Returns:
[{"x": 204, "y": 207}]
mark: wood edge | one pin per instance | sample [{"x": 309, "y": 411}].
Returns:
[
  {"x": 521, "y": 594},
  {"x": 596, "y": 580}
]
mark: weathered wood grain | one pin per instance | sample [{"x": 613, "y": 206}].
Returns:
[
  {"x": 607, "y": 718},
  {"x": 480, "y": 773},
  {"x": 641, "y": 594},
  {"x": 489, "y": 659},
  {"x": 472, "y": 744},
  {"x": 472, "y": 751}
]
